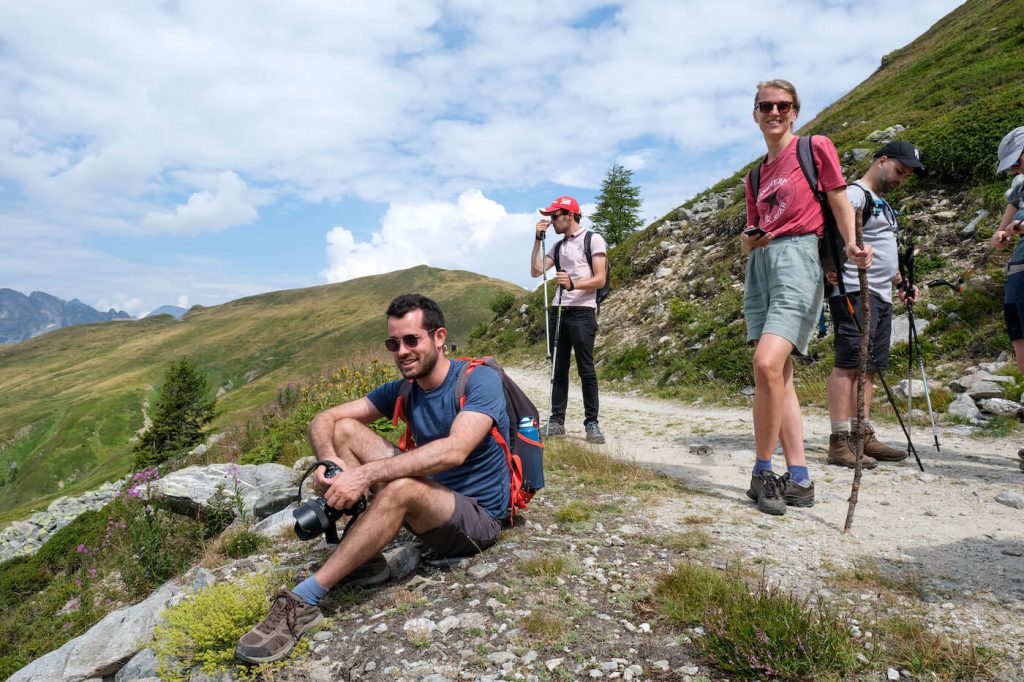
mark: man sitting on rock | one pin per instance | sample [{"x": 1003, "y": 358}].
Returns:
[
  {"x": 892, "y": 164},
  {"x": 452, "y": 490}
]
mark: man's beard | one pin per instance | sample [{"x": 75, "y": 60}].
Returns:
[{"x": 427, "y": 364}]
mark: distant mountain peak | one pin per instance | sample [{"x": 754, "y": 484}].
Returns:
[{"x": 23, "y": 317}]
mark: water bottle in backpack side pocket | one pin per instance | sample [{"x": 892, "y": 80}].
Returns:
[{"x": 531, "y": 452}]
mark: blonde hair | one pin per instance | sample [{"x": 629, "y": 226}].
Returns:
[{"x": 779, "y": 84}]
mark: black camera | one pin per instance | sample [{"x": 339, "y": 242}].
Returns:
[{"x": 315, "y": 516}]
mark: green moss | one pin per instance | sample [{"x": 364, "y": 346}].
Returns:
[{"x": 202, "y": 631}]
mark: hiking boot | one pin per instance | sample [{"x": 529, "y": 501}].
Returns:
[
  {"x": 840, "y": 452},
  {"x": 373, "y": 572},
  {"x": 793, "y": 494},
  {"x": 769, "y": 494},
  {"x": 553, "y": 429},
  {"x": 880, "y": 451},
  {"x": 275, "y": 636},
  {"x": 797, "y": 495},
  {"x": 594, "y": 434}
]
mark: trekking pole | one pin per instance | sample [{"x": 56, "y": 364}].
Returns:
[
  {"x": 544, "y": 274},
  {"x": 554, "y": 353},
  {"x": 924, "y": 377},
  {"x": 907, "y": 271},
  {"x": 912, "y": 336}
]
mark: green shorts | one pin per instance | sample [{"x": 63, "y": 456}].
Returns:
[{"x": 783, "y": 290}]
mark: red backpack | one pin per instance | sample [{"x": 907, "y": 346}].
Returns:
[{"x": 524, "y": 452}]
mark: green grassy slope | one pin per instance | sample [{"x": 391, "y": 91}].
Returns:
[{"x": 70, "y": 400}]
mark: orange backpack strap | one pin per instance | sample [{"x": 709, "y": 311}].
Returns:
[
  {"x": 518, "y": 498},
  {"x": 406, "y": 441}
]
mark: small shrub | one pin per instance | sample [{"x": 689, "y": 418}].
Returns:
[
  {"x": 544, "y": 626},
  {"x": 574, "y": 512},
  {"x": 202, "y": 630},
  {"x": 242, "y": 543},
  {"x": 911, "y": 644},
  {"x": 547, "y": 566},
  {"x": 501, "y": 302},
  {"x": 59, "y": 553},
  {"x": 20, "y": 578}
]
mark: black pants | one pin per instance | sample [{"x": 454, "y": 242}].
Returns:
[{"x": 576, "y": 332}]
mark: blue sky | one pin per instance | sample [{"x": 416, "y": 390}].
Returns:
[{"x": 191, "y": 152}]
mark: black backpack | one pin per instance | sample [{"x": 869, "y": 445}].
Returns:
[
  {"x": 606, "y": 288},
  {"x": 832, "y": 247}
]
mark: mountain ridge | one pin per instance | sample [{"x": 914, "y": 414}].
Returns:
[{"x": 24, "y": 317}]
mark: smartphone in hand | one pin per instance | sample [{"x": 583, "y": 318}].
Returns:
[{"x": 754, "y": 232}]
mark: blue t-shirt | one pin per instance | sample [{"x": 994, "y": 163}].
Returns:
[{"x": 484, "y": 475}]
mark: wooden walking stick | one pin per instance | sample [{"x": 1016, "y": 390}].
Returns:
[{"x": 865, "y": 328}]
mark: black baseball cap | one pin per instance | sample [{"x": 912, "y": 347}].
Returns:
[{"x": 904, "y": 152}]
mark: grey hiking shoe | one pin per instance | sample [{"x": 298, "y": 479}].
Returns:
[
  {"x": 769, "y": 496},
  {"x": 275, "y": 636},
  {"x": 373, "y": 572},
  {"x": 793, "y": 494},
  {"x": 880, "y": 451},
  {"x": 840, "y": 452},
  {"x": 553, "y": 429},
  {"x": 594, "y": 434}
]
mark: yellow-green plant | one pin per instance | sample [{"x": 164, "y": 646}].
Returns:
[{"x": 202, "y": 630}]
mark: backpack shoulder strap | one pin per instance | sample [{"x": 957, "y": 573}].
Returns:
[
  {"x": 557, "y": 252},
  {"x": 869, "y": 203},
  {"x": 586, "y": 250},
  {"x": 755, "y": 179},
  {"x": 406, "y": 441},
  {"x": 805, "y": 155},
  {"x": 462, "y": 379}
]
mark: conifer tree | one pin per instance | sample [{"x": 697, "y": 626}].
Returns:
[
  {"x": 618, "y": 206},
  {"x": 182, "y": 410}
]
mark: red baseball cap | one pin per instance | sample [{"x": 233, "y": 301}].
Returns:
[{"x": 562, "y": 204}]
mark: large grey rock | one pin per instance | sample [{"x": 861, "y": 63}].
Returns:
[
  {"x": 985, "y": 389},
  {"x": 402, "y": 560},
  {"x": 273, "y": 501},
  {"x": 903, "y": 388},
  {"x": 105, "y": 647},
  {"x": 964, "y": 408},
  {"x": 189, "y": 490},
  {"x": 277, "y": 524},
  {"x": 1011, "y": 499},
  {"x": 142, "y": 666},
  {"x": 999, "y": 406},
  {"x": 966, "y": 383},
  {"x": 901, "y": 328}
]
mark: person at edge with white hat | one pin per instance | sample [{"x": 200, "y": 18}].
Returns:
[
  {"x": 1011, "y": 155},
  {"x": 574, "y": 327}
]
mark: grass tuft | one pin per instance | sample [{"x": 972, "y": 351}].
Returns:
[
  {"x": 544, "y": 626},
  {"x": 928, "y": 654}
]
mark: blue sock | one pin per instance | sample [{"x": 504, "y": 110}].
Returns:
[
  {"x": 762, "y": 465},
  {"x": 309, "y": 591},
  {"x": 800, "y": 475}
]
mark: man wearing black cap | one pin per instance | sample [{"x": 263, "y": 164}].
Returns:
[{"x": 892, "y": 164}]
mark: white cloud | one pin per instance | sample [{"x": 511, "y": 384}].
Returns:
[
  {"x": 183, "y": 301},
  {"x": 223, "y": 206},
  {"x": 474, "y": 233}
]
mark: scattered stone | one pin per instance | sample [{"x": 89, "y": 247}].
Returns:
[
  {"x": 906, "y": 386},
  {"x": 970, "y": 227},
  {"x": 892, "y": 674},
  {"x": 985, "y": 389},
  {"x": 553, "y": 663},
  {"x": 661, "y": 665},
  {"x": 999, "y": 406},
  {"x": 964, "y": 407},
  {"x": 480, "y": 571},
  {"x": 1011, "y": 499},
  {"x": 901, "y": 328}
]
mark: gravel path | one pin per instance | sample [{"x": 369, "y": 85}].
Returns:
[{"x": 943, "y": 528}]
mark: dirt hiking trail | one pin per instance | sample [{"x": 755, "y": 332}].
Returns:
[{"x": 943, "y": 528}]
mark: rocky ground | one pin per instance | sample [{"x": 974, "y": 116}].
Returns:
[{"x": 566, "y": 600}]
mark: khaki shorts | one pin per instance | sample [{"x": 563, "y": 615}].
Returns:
[{"x": 783, "y": 290}]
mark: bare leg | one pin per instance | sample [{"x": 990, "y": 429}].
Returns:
[
  {"x": 358, "y": 444},
  {"x": 791, "y": 432},
  {"x": 1018, "y": 352},
  {"x": 424, "y": 505},
  {"x": 869, "y": 392},
  {"x": 842, "y": 393},
  {"x": 771, "y": 356}
]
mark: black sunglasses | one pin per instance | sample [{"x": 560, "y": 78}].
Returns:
[
  {"x": 409, "y": 340},
  {"x": 766, "y": 107}
]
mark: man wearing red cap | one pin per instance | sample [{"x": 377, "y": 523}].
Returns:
[{"x": 573, "y": 317}]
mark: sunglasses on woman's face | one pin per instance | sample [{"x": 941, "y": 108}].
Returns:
[
  {"x": 409, "y": 341},
  {"x": 766, "y": 107}
]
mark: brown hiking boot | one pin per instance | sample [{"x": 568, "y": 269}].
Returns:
[
  {"x": 880, "y": 451},
  {"x": 275, "y": 636},
  {"x": 840, "y": 452}
]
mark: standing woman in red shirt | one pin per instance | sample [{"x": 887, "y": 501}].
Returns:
[{"x": 784, "y": 286}]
